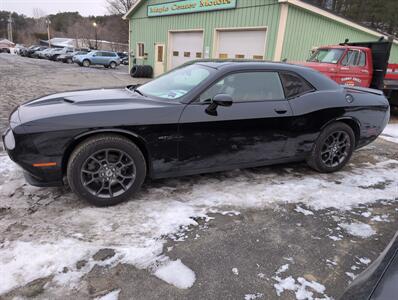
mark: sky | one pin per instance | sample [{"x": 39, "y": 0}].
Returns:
[{"x": 26, "y": 7}]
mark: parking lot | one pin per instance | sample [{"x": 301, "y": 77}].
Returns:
[{"x": 281, "y": 232}]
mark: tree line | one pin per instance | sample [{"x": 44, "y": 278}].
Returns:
[
  {"x": 381, "y": 15},
  {"x": 28, "y": 30}
]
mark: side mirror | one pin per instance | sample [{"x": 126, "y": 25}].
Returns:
[
  {"x": 223, "y": 100},
  {"x": 218, "y": 100}
]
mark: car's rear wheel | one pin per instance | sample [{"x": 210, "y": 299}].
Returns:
[
  {"x": 333, "y": 148},
  {"x": 106, "y": 170},
  {"x": 112, "y": 65},
  {"x": 86, "y": 63}
]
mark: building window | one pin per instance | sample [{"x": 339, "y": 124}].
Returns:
[
  {"x": 223, "y": 56},
  {"x": 187, "y": 54},
  {"x": 198, "y": 54},
  {"x": 176, "y": 53},
  {"x": 239, "y": 56},
  {"x": 140, "y": 50},
  {"x": 259, "y": 57}
]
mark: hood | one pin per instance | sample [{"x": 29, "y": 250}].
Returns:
[{"x": 89, "y": 108}]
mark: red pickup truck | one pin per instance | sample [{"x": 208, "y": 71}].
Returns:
[{"x": 362, "y": 64}]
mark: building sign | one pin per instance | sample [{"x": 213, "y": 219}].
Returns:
[{"x": 189, "y": 6}]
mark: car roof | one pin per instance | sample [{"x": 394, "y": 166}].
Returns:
[
  {"x": 246, "y": 63},
  {"x": 317, "y": 79}
]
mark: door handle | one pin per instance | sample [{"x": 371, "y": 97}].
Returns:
[{"x": 280, "y": 111}]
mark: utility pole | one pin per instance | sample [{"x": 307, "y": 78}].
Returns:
[
  {"x": 48, "y": 22},
  {"x": 96, "y": 35},
  {"x": 9, "y": 28}
]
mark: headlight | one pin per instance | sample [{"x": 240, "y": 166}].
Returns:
[{"x": 9, "y": 140}]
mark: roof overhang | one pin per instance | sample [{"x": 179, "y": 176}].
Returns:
[
  {"x": 127, "y": 14},
  {"x": 334, "y": 17}
]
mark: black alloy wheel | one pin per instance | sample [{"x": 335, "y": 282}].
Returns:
[
  {"x": 333, "y": 148},
  {"x": 106, "y": 170}
]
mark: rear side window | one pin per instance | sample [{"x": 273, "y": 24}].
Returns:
[
  {"x": 294, "y": 85},
  {"x": 362, "y": 59}
]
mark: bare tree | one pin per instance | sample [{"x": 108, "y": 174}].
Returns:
[{"x": 120, "y": 7}]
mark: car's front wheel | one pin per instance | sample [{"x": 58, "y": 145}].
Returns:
[
  {"x": 86, "y": 63},
  {"x": 333, "y": 148},
  {"x": 106, "y": 170}
]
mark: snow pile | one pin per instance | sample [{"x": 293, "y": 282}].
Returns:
[
  {"x": 390, "y": 133},
  {"x": 177, "y": 274}
]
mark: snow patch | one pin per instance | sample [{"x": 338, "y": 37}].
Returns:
[
  {"x": 358, "y": 229},
  {"x": 253, "y": 296},
  {"x": 364, "y": 260},
  {"x": 390, "y": 133},
  {"x": 114, "y": 295},
  {"x": 303, "y": 211},
  {"x": 64, "y": 230},
  {"x": 235, "y": 271},
  {"x": 283, "y": 269},
  {"x": 303, "y": 289},
  {"x": 177, "y": 274}
]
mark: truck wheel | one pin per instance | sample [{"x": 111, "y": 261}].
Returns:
[
  {"x": 333, "y": 148},
  {"x": 106, "y": 170},
  {"x": 86, "y": 63}
]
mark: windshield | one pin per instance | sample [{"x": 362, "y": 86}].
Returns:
[
  {"x": 177, "y": 83},
  {"x": 331, "y": 56}
]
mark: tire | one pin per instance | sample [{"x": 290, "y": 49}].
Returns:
[
  {"x": 86, "y": 63},
  {"x": 69, "y": 60},
  {"x": 112, "y": 65},
  {"x": 93, "y": 185},
  {"x": 333, "y": 148},
  {"x": 141, "y": 71}
]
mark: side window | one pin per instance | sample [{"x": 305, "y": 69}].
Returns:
[
  {"x": 247, "y": 86},
  {"x": 362, "y": 59},
  {"x": 347, "y": 58},
  {"x": 294, "y": 85},
  {"x": 140, "y": 50}
]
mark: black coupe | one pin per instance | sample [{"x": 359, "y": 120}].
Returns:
[{"x": 202, "y": 117}]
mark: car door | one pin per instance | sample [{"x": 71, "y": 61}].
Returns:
[
  {"x": 250, "y": 132},
  {"x": 97, "y": 57},
  {"x": 346, "y": 70}
]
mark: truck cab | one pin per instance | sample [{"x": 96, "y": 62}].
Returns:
[{"x": 347, "y": 65}]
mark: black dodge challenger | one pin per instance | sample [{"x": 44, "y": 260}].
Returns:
[{"x": 203, "y": 117}]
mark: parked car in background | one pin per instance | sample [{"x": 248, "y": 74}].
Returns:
[
  {"x": 108, "y": 59},
  {"x": 18, "y": 48},
  {"x": 124, "y": 58},
  {"x": 32, "y": 50},
  {"x": 5, "y": 50},
  {"x": 40, "y": 52},
  {"x": 57, "y": 52},
  {"x": 248, "y": 114},
  {"x": 68, "y": 57}
]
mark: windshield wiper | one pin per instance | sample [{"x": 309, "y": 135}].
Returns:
[{"x": 138, "y": 92}]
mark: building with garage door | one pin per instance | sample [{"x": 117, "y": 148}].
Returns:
[{"x": 166, "y": 34}]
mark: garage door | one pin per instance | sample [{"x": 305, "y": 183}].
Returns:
[
  {"x": 185, "y": 46},
  {"x": 241, "y": 44}
]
